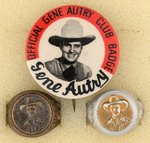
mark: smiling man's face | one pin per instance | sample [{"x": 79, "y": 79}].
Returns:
[{"x": 71, "y": 51}]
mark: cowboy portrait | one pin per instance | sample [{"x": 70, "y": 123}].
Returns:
[
  {"x": 33, "y": 122},
  {"x": 71, "y": 43},
  {"x": 116, "y": 107}
]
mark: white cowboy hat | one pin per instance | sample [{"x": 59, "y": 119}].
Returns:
[{"x": 72, "y": 31}]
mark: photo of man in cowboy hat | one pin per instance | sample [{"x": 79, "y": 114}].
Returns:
[
  {"x": 116, "y": 107},
  {"x": 33, "y": 122},
  {"x": 71, "y": 43}
]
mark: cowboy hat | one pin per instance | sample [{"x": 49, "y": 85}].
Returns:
[
  {"x": 72, "y": 31},
  {"x": 115, "y": 100},
  {"x": 30, "y": 102}
]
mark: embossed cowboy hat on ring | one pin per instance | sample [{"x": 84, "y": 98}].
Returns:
[
  {"x": 72, "y": 31},
  {"x": 30, "y": 102},
  {"x": 115, "y": 100}
]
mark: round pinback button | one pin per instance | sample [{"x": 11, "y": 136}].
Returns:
[
  {"x": 33, "y": 113},
  {"x": 72, "y": 51},
  {"x": 115, "y": 112}
]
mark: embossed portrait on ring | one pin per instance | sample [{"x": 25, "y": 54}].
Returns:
[{"x": 90, "y": 56}]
